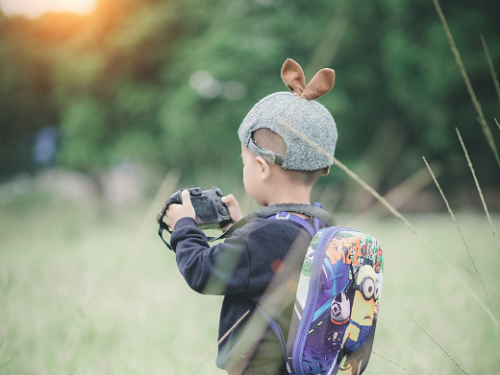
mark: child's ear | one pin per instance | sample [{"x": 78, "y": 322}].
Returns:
[
  {"x": 264, "y": 167},
  {"x": 325, "y": 171}
]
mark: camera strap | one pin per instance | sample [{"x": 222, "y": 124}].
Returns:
[
  {"x": 164, "y": 226},
  {"x": 264, "y": 213}
]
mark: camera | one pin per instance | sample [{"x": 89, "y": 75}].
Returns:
[{"x": 210, "y": 211}]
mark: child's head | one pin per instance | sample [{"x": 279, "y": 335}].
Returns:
[
  {"x": 272, "y": 142},
  {"x": 291, "y": 131}
]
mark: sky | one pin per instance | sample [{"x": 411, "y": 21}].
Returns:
[{"x": 35, "y": 8}]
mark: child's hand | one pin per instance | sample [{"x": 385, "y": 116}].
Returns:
[
  {"x": 233, "y": 207},
  {"x": 178, "y": 211}
]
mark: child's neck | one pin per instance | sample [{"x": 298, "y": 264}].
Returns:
[
  {"x": 282, "y": 196},
  {"x": 282, "y": 189},
  {"x": 295, "y": 194}
]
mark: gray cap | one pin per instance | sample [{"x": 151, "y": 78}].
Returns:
[{"x": 306, "y": 126}]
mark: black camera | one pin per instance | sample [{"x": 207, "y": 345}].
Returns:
[{"x": 211, "y": 212}]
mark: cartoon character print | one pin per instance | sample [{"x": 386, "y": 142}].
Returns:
[
  {"x": 305, "y": 274},
  {"x": 359, "y": 334},
  {"x": 304, "y": 281},
  {"x": 332, "y": 309},
  {"x": 342, "y": 324},
  {"x": 378, "y": 261},
  {"x": 366, "y": 295}
]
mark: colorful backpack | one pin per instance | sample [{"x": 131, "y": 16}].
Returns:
[
  {"x": 337, "y": 302},
  {"x": 337, "y": 299}
]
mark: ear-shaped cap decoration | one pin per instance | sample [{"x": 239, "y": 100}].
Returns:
[
  {"x": 293, "y": 77},
  {"x": 306, "y": 126}
]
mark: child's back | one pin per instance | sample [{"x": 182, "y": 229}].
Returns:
[{"x": 288, "y": 141}]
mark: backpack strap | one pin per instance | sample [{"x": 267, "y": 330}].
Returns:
[
  {"x": 274, "y": 325},
  {"x": 318, "y": 224},
  {"x": 285, "y": 215},
  {"x": 315, "y": 211},
  {"x": 312, "y": 229}
]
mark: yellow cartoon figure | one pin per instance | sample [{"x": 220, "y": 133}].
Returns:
[{"x": 363, "y": 311}]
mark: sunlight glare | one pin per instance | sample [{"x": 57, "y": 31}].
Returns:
[{"x": 35, "y": 8}]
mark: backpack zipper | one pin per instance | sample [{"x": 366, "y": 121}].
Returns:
[{"x": 298, "y": 348}]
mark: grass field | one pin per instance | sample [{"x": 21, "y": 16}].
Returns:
[{"x": 92, "y": 291}]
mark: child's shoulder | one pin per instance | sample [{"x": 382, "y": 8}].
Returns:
[
  {"x": 270, "y": 227},
  {"x": 269, "y": 239}
]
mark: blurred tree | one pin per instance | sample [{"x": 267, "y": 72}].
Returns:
[
  {"x": 107, "y": 85},
  {"x": 27, "y": 49},
  {"x": 397, "y": 82},
  {"x": 168, "y": 83},
  {"x": 24, "y": 93},
  {"x": 403, "y": 90}
]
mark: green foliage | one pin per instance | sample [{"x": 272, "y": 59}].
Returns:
[
  {"x": 84, "y": 132},
  {"x": 167, "y": 84}
]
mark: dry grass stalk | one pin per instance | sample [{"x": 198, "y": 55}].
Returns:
[
  {"x": 440, "y": 347},
  {"x": 375, "y": 194},
  {"x": 492, "y": 69},
  {"x": 394, "y": 363},
  {"x": 485, "y": 207},
  {"x": 406, "y": 190},
  {"x": 5, "y": 363},
  {"x": 70, "y": 337},
  {"x": 235, "y": 325},
  {"x": 458, "y": 226},
  {"x": 470, "y": 89},
  {"x": 202, "y": 360},
  {"x": 412, "y": 228}
]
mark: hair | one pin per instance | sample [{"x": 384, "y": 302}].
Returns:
[{"x": 271, "y": 141}]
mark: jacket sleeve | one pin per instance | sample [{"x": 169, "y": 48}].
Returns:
[{"x": 220, "y": 269}]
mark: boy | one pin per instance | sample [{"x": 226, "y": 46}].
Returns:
[{"x": 287, "y": 142}]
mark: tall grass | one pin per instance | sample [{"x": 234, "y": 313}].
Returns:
[
  {"x": 482, "y": 120},
  {"x": 88, "y": 292},
  {"x": 85, "y": 296}
]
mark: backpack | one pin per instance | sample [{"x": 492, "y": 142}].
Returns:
[
  {"x": 337, "y": 299},
  {"x": 336, "y": 305}
]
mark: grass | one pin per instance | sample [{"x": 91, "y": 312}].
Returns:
[
  {"x": 419, "y": 288},
  {"x": 84, "y": 291},
  {"x": 82, "y": 294},
  {"x": 481, "y": 118}
]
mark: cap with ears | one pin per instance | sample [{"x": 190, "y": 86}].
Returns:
[{"x": 306, "y": 126}]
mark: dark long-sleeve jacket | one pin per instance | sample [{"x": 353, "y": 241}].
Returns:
[{"x": 242, "y": 268}]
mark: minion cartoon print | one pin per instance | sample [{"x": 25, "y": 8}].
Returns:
[
  {"x": 337, "y": 304},
  {"x": 358, "y": 334}
]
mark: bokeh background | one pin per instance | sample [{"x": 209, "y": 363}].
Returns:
[
  {"x": 164, "y": 85},
  {"x": 104, "y": 114}
]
